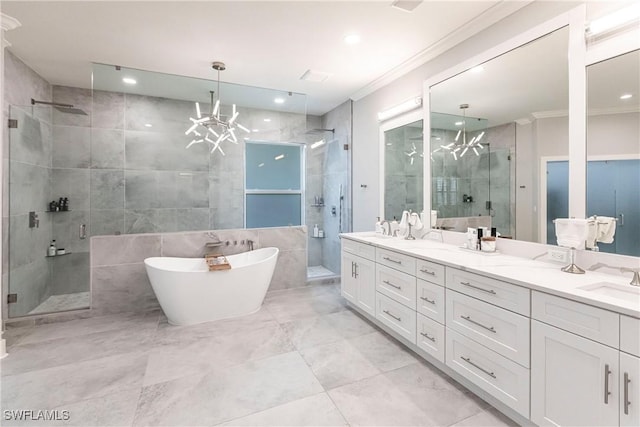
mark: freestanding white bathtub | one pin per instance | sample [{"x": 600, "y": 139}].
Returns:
[{"x": 189, "y": 293}]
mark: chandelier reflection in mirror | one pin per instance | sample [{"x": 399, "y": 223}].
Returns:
[
  {"x": 460, "y": 145},
  {"x": 214, "y": 129}
]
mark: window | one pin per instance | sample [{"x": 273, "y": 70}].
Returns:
[{"x": 273, "y": 184}]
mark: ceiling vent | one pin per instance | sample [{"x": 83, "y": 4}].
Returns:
[
  {"x": 406, "y": 5},
  {"x": 315, "y": 76}
]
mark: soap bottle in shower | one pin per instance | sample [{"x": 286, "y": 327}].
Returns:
[
  {"x": 316, "y": 232},
  {"x": 52, "y": 249}
]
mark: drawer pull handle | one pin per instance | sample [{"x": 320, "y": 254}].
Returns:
[
  {"x": 399, "y": 319},
  {"x": 356, "y": 269},
  {"x": 627, "y": 381},
  {"x": 607, "y": 372},
  {"x": 433, "y": 339},
  {"x": 386, "y": 282},
  {"x": 468, "y": 360},
  {"x": 392, "y": 260},
  {"x": 470, "y": 320},
  {"x": 425, "y": 271},
  {"x": 430, "y": 301},
  {"x": 489, "y": 291}
]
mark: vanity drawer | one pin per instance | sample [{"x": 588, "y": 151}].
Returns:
[
  {"x": 502, "y": 294},
  {"x": 630, "y": 335},
  {"x": 590, "y": 322},
  {"x": 396, "y": 316},
  {"x": 502, "y": 331},
  {"x": 430, "y": 337},
  {"x": 397, "y": 261},
  {"x": 360, "y": 249},
  {"x": 430, "y": 271},
  {"x": 502, "y": 378},
  {"x": 396, "y": 285},
  {"x": 430, "y": 300}
]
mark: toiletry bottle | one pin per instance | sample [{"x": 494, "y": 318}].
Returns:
[
  {"x": 378, "y": 226},
  {"x": 315, "y": 231},
  {"x": 52, "y": 249},
  {"x": 494, "y": 232},
  {"x": 321, "y": 234},
  {"x": 480, "y": 234}
]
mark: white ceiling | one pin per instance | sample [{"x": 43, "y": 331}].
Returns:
[{"x": 264, "y": 43}]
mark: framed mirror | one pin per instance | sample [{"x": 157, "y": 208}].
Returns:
[
  {"x": 402, "y": 160},
  {"x": 495, "y": 129},
  {"x": 613, "y": 149}
]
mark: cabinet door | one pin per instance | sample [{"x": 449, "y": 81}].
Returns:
[
  {"x": 629, "y": 390},
  {"x": 574, "y": 381},
  {"x": 348, "y": 282},
  {"x": 365, "y": 273}
]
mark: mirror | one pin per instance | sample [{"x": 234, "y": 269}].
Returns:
[
  {"x": 613, "y": 149},
  {"x": 403, "y": 170},
  {"x": 495, "y": 129}
]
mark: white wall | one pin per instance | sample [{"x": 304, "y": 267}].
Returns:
[{"x": 366, "y": 127}]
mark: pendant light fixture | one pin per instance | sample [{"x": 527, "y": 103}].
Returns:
[
  {"x": 460, "y": 145},
  {"x": 214, "y": 129}
]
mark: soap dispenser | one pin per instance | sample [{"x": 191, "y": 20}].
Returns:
[{"x": 378, "y": 226}]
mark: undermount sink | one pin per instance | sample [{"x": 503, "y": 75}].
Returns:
[{"x": 624, "y": 292}]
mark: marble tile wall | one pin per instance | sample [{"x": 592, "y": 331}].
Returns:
[
  {"x": 119, "y": 282},
  {"x": 26, "y": 182}
]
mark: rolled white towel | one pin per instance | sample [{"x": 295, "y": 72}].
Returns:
[
  {"x": 606, "y": 229},
  {"x": 416, "y": 222},
  {"x": 571, "y": 232}
]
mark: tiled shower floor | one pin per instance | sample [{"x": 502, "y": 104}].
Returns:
[
  {"x": 318, "y": 271},
  {"x": 304, "y": 359},
  {"x": 66, "y": 302}
]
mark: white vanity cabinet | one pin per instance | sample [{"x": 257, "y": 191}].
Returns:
[
  {"x": 574, "y": 380},
  {"x": 358, "y": 283}
]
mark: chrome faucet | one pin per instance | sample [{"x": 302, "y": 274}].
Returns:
[
  {"x": 635, "y": 281},
  {"x": 211, "y": 245},
  {"x": 250, "y": 243}
]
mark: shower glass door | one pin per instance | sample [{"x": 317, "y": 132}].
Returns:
[{"x": 40, "y": 171}]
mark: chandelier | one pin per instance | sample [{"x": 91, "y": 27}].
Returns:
[
  {"x": 214, "y": 129},
  {"x": 461, "y": 145}
]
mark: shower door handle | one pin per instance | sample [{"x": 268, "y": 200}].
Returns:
[
  {"x": 621, "y": 224},
  {"x": 83, "y": 231}
]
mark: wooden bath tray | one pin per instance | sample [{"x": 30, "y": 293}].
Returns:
[{"x": 217, "y": 262}]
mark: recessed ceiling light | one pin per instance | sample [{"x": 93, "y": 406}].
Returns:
[
  {"x": 255, "y": 130},
  {"x": 279, "y": 100},
  {"x": 626, "y": 96},
  {"x": 352, "y": 39},
  {"x": 279, "y": 157},
  {"x": 149, "y": 125},
  {"x": 129, "y": 80},
  {"x": 458, "y": 123},
  {"x": 267, "y": 120},
  {"x": 477, "y": 69}
]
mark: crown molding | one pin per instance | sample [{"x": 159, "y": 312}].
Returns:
[
  {"x": 613, "y": 110},
  {"x": 484, "y": 20},
  {"x": 549, "y": 114},
  {"x": 8, "y": 23}
]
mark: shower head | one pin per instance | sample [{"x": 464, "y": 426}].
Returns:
[{"x": 64, "y": 108}]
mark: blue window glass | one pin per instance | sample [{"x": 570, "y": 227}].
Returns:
[{"x": 273, "y": 167}]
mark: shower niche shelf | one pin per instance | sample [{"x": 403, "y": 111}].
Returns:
[
  {"x": 69, "y": 210},
  {"x": 56, "y": 256},
  {"x": 317, "y": 206}
]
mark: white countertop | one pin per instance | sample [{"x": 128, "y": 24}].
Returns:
[{"x": 537, "y": 275}]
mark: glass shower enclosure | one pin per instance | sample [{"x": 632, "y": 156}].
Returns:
[{"x": 42, "y": 171}]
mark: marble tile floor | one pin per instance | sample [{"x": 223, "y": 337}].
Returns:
[
  {"x": 304, "y": 359},
  {"x": 66, "y": 302}
]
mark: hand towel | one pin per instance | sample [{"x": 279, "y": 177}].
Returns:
[
  {"x": 571, "y": 232},
  {"x": 403, "y": 227},
  {"x": 606, "y": 229},
  {"x": 416, "y": 222},
  {"x": 592, "y": 232}
]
